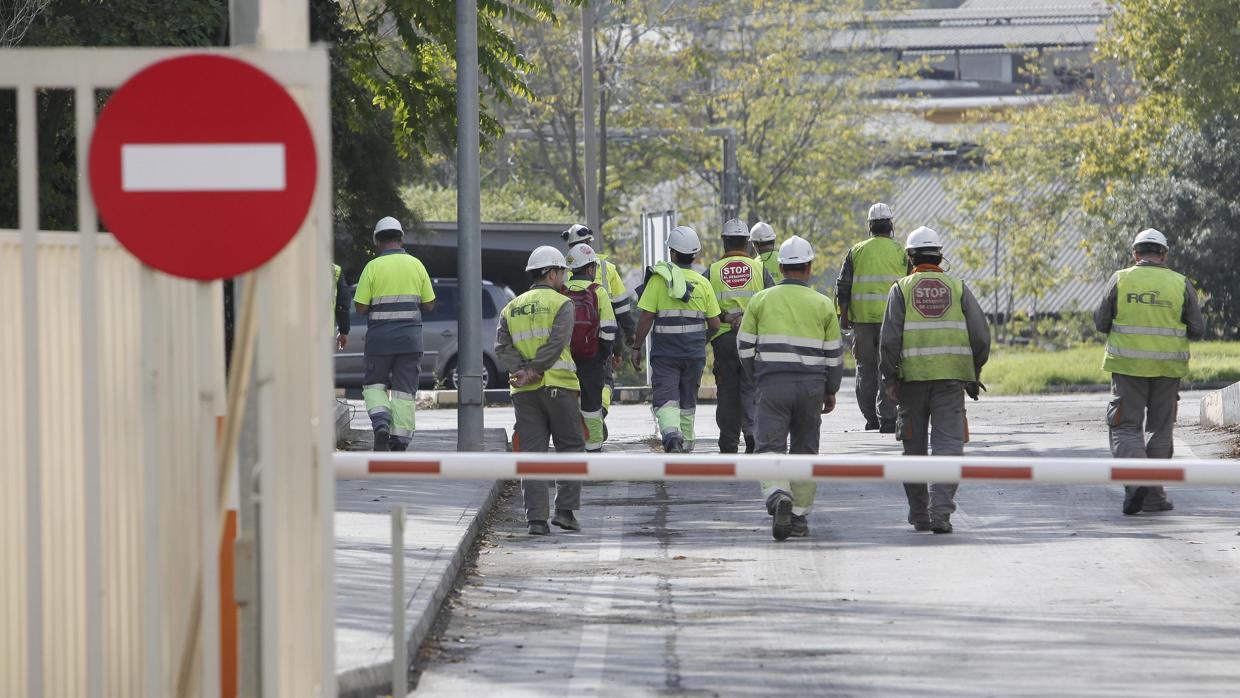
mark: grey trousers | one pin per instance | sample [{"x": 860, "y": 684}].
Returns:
[
  {"x": 1139, "y": 406},
  {"x": 871, "y": 398},
  {"x": 931, "y": 412},
  {"x": 790, "y": 410},
  {"x": 543, "y": 415},
  {"x": 734, "y": 409}
]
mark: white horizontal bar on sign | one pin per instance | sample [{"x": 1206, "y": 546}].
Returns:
[
  {"x": 167, "y": 167},
  {"x": 356, "y": 465}
]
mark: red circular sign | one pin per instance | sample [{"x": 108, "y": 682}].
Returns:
[
  {"x": 931, "y": 297},
  {"x": 202, "y": 166},
  {"x": 735, "y": 274}
]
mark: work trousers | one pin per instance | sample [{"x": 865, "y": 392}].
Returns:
[
  {"x": 675, "y": 383},
  {"x": 389, "y": 384},
  {"x": 931, "y": 411},
  {"x": 790, "y": 409},
  {"x": 543, "y": 415},
  {"x": 735, "y": 399},
  {"x": 875, "y": 405},
  {"x": 1139, "y": 406},
  {"x": 593, "y": 376}
]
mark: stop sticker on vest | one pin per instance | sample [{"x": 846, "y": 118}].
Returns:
[
  {"x": 735, "y": 274},
  {"x": 931, "y": 297}
]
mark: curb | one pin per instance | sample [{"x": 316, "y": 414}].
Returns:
[{"x": 376, "y": 679}]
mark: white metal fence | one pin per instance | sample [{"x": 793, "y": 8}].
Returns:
[{"x": 113, "y": 378}]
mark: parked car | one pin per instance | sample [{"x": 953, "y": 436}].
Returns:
[{"x": 439, "y": 339}]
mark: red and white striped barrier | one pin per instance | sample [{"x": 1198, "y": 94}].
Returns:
[{"x": 359, "y": 465}]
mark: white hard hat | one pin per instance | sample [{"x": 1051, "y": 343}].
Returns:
[
  {"x": 880, "y": 211},
  {"x": 733, "y": 227},
  {"x": 388, "y": 223},
  {"x": 762, "y": 232},
  {"x": 545, "y": 257},
  {"x": 796, "y": 250},
  {"x": 577, "y": 233},
  {"x": 1151, "y": 235},
  {"x": 581, "y": 255},
  {"x": 684, "y": 240},
  {"x": 922, "y": 238}
]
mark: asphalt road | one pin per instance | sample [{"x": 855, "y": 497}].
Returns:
[{"x": 678, "y": 589}]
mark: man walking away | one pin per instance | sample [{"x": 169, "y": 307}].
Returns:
[
  {"x": 340, "y": 308},
  {"x": 678, "y": 305},
  {"x": 594, "y": 331},
  {"x": 533, "y": 340},
  {"x": 789, "y": 342},
  {"x": 1149, "y": 313},
  {"x": 734, "y": 278},
  {"x": 393, "y": 292},
  {"x": 869, "y": 270},
  {"x": 934, "y": 342},
  {"x": 763, "y": 237}
]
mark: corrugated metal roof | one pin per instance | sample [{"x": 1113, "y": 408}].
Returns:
[
  {"x": 920, "y": 198},
  {"x": 979, "y": 36}
]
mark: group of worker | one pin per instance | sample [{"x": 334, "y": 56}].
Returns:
[{"x": 919, "y": 339}]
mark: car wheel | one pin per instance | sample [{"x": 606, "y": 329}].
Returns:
[{"x": 451, "y": 382}]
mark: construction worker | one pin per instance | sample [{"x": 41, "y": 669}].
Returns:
[
  {"x": 533, "y": 340},
  {"x": 789, "y": 342},
  {"x": 933, "y": 344},
  {"x": 595, "y": 331},
  {"x": 1149, "y": 313},
  {"x": 735, "y": 278},
  {"x": 762, "y": 235},
  {"x": 340, "y": 309},
  {"x": 869, "y": 270},
  {"x": 679, "y": 305},
  {"x": 393, "y": 292},
  {"x": 621, "y": 304}
]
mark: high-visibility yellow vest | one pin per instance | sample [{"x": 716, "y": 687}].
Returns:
[
  {"x": 770, "y": 264},
  {"x": 877, "y": 263},
  {"x": 936, "y": 337},
  {"x": 530, "y": 317},
  {"x": 790, "y": 328},
  {"x": 735, "y": 279},
  {"x": 1148, "y": 337}
]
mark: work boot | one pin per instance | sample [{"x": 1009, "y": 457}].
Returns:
[
  {"x": 1134, "y": 502},
  {"x": 381, "y": 440},
  {"x": 539, "y": 528},
  {"x": 564, "y": 519},
  {"x": 919, "y": 521},
  {"x": 727, "y": 447},
  {"x": 941, "y": 525},
  {"x": 673, "y": 444},
  {"x": 871, "y": 424},
  {"x": 800, "y": 526},
  {"x": 887, "y": 428},
  {"x": 1164, "y": 505},
  {"x": 779, "y": 505},
  {"x": 750, "y": 443}
]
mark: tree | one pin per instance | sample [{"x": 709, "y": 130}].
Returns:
[{"x": 16, "y": 16}]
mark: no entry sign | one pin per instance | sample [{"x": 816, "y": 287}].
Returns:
[{"x": 202, "y": 166}]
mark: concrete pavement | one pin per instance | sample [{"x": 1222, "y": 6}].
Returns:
[{"x": 677, "y": 588}]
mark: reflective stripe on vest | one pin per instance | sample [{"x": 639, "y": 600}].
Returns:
[
  {"x": 1148, "y": 337},
  {"x": 877, "y": 263},
  {"x": 530, "y": 318},
  {"x": 791, "y": 328},
  {"x": 936, "y": 336}
]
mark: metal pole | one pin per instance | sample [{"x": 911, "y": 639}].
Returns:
[
  {"x": 729, "y": 193},
  {"x": 469, "y": 231},
  {"x": 400, "y": 650},
  {"x": 590, "y": 164}
]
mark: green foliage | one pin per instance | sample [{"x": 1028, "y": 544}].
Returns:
[
  {"x": 507, "y": 203},
  {"x": 1031, "y": 372}
]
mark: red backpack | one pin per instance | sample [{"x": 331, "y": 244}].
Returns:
[{"x": 585, "y": 321}]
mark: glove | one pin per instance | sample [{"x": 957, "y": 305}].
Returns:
[{"x": 974, "y": 389}]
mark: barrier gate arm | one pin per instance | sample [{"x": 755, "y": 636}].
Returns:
[{"x": 359, "y": 465}]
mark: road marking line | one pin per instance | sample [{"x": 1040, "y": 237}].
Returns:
[
  {"x": 591, "y": 661},
  {"x": 165, "y": 167}
]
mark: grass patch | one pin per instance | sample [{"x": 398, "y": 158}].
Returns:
[{"x": 1013, "y": 371}]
